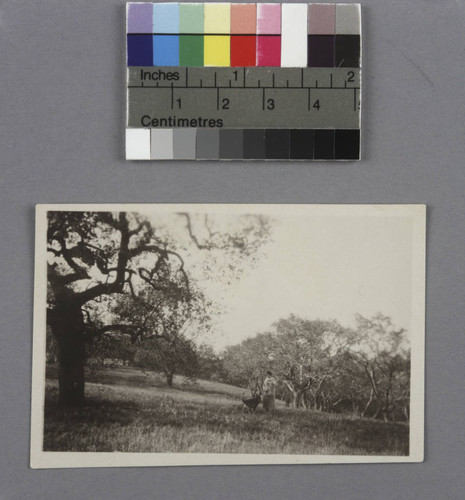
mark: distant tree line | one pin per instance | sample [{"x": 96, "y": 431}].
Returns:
[
  {"x": 319, "y": 365},
  {"x": 184, "y": 358},
  {"x": 322, "y": 366}
]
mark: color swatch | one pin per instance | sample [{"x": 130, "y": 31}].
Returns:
[
  {"x": 223, "y": 34},
  {"x": 243, "y": 81}
]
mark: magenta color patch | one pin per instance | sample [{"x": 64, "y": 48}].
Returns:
[
  {"x": 140, "y": 18},
  {"x": 268, "y": 51},
  {"x": 321, "y": 19},
  {"x": 269, "y": 18}
]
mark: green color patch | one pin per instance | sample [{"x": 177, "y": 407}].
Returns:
[
  {"x": 191, "y": 50},
  {"x": 191, "y": 18}
]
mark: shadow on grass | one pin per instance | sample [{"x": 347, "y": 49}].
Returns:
[
  {"x": 134, "y": 377},
  {"x": 115, "y": 419}
]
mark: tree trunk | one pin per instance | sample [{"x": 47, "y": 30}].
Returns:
[
  {"x": 364, "y": 412},
  {"x": 169, "y": 379},
  {"x": 68, "y": 329},
  {"x": 296, "y": 395},
  {"x": 299, "y": 399}
]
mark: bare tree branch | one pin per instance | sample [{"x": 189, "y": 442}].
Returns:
[
  {"x": 163, "y": 256},
  {"x": 193, "y": 237},
  {"x": 139, "y": 228}
]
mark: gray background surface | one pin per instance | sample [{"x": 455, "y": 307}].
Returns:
[{"x": 61, "y": 140}]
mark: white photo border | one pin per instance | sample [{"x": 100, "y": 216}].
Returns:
[{"x": 40, "y": 459}]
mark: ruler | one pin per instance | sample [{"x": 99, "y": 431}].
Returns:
[
  {"x": 225, "y": 81},
  {"x": 174, "y": 97}
]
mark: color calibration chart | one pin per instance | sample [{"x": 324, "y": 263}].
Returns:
[{"x": 225, "y": 81}]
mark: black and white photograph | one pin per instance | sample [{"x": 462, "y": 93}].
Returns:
[
  {"x": 209, "y": 334},
  {"x": 232, "y": 250}
]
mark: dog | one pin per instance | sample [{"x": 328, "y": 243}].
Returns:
[{"x": 251, "y": 404}]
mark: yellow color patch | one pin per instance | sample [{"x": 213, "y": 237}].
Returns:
[
  {"x": 217, "y": 51},
  {"x": 217, "y": 18}
]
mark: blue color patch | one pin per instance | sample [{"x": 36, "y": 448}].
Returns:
[
  {"x": 166, "y": 50},
  {"x": 140, "y": 50},
  {"x": 166, "y": 18}
]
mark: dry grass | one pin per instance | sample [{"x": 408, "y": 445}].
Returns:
[{"x": 205, "y": 418}]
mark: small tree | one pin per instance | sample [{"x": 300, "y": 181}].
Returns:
[
  {"x": 301, "y": 357},
  {"x": 171, "y": 322},
  {"x": 167, "y": 357},
  {"x": 382, "y": 352},
  {"x": 245, "y": 364}
]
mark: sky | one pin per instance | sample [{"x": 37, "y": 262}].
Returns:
[{"x": 325, "y": 267}]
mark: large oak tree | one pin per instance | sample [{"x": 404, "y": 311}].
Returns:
[{"x": 96, "y": 257}]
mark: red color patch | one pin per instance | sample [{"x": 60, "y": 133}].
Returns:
[
  {"x": 243, "y": 50},
  {"x": 268, "y": 50}
]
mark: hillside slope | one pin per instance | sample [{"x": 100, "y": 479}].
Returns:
[{"x": 130, "y": 411}]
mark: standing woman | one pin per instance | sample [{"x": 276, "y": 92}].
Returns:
[{"x": 269, "y": 386}]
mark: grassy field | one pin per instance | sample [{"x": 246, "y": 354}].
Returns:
[{"x": 131, "y": 411}]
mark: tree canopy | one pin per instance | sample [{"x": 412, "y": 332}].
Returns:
[{"x": 324, "y": 366}]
